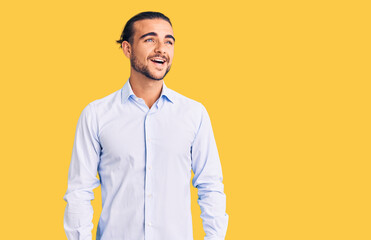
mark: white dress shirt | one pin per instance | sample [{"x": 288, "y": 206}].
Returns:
[{"x": 144, "y": 158}]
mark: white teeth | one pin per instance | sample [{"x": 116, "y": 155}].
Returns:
[{"x": 158, "y": 60}]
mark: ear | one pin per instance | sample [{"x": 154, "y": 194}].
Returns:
[{"x": 126, "y": 48}]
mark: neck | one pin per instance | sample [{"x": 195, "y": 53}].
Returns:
[{"x": 147, "y": 89}]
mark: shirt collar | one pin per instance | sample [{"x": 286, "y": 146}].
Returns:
[{"x": 127, "y": 91}]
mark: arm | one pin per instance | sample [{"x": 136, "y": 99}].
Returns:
[
  {"x": 208, "y": 180},
  {"x": 82, "y": 178}
]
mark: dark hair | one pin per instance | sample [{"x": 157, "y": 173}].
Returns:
[{"x": 127, "y": 33}]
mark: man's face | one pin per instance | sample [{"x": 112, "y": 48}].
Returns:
[{"x": 152, "y": 48}]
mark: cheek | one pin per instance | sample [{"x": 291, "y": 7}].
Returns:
[
  {"x": 142, "y": 52},
  {"x": 171, "y": 54}
]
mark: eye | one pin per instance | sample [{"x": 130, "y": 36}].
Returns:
[
  {"x": 149, "y": 40},
  {"x": 169, "y": 42}
]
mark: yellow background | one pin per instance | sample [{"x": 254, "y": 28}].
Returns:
[{"x": 286, "y": 84}]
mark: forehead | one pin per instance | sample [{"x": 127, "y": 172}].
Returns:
[{"x": 159, "y": 26}]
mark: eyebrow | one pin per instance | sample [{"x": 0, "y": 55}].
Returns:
[
  {"x": 155, "y": 34},
  {"x": 170, "y": 36}
]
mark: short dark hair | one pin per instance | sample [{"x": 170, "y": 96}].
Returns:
[{"x": 127, "y": 33}]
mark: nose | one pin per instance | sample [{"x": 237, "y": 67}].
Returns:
[{"x": 160, "y": 47}]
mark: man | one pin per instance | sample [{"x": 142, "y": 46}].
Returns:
[{"x": 144, "y": 140}]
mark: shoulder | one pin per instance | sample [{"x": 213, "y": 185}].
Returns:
[
  {"x": 95, "y": 110},
  {"x": 186, "y": 102},
  {"x": 189, "y": 109},
  {"x": 103, "y": 105}
]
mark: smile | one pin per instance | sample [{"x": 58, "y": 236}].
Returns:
[{"x": 158, "y": 60}]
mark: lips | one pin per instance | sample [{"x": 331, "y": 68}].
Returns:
[{"x": 158, "y": 60}]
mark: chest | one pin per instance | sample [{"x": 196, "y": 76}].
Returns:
[{"x": 130, "y": 139}]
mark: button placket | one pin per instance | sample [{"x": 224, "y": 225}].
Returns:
[{"x": 148, "y": 187}]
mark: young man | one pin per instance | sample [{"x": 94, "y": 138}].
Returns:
[{"x": 144, "y": 140}]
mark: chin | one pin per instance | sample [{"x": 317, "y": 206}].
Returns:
[
  {"x": 158, "y": 76},
  {"x": 157, "y": 79}
]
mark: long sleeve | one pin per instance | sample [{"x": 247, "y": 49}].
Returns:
[
  {"x": 82, "y": 177},
  {"x": 208, "y": 180}
]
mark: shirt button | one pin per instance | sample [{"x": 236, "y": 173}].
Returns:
[
  {"x": 149, "y": 167},
  {"x": 150, "y": 224},
  {"x": 150, "y": 195}
]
